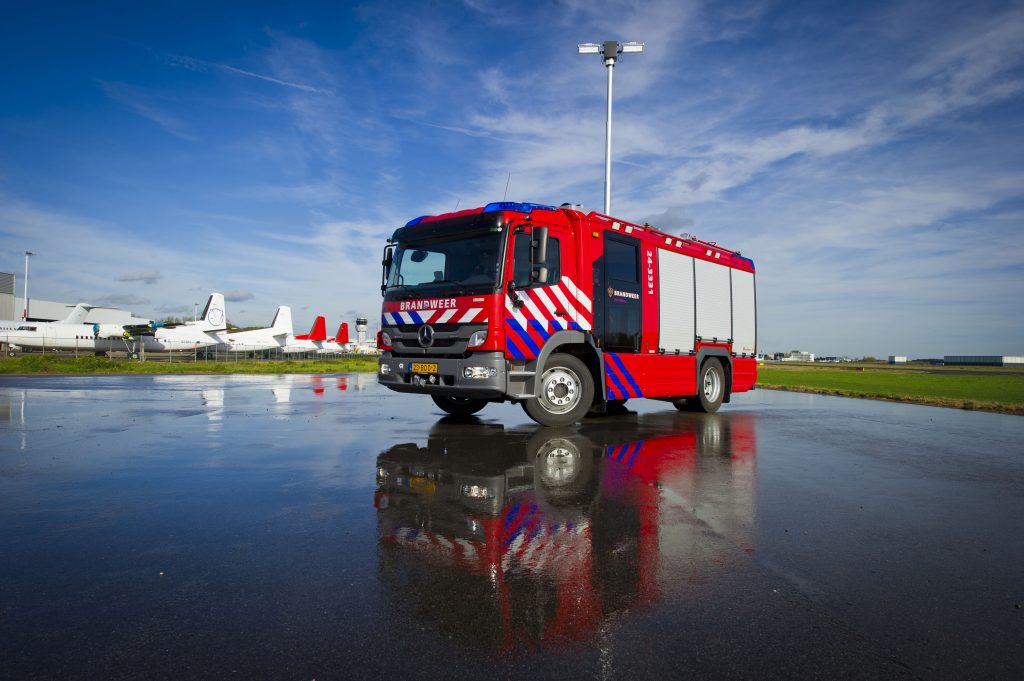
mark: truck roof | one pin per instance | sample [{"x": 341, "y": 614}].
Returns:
[{"x": 686, "y": 243}]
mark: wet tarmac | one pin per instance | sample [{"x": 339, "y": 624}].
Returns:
[{"x": 306, "y": 527}]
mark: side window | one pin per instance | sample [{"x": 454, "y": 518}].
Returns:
[
  {"x": 523, "y": 262},
  {"x": 620, "y": 259}
]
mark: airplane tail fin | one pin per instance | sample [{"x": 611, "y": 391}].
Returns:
[
  {"x": 319, "y": 330},
  {"x": 214, "y": 314},
  {"x": 282, "y": 324},
  {"x": 78, "y": 315},
  {"x": 342, "y": 336}
]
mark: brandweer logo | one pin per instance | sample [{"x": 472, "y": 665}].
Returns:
[{"x": 428, "y": 304}]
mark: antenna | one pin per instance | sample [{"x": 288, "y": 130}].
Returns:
[
  {"x": 505, "y": 196},
  {"x": 457, "y": 205}
]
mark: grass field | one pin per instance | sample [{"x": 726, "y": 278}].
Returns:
[
  {"x": 990, "y": 391},
  {"x": 45, "y": 364}
]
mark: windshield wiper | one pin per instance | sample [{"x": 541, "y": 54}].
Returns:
[{"x": 462, "y": 287}]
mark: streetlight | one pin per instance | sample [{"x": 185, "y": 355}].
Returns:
[
  {"x": 24, "y": 312},
  {"x": 195, "y": 311},
  {"x": 609, "y": 51}
]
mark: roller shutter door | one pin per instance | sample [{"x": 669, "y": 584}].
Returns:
[
  {"x": 744, "y": 314},
  {"x": 714, "y": 301},
  {"x": 675, "y": 302}
]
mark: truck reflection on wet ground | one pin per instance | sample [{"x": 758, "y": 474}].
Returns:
[{"x": 512, "y": 540}]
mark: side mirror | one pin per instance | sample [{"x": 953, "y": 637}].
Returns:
[
  {"x": 386, "y": 267},
  {"x": 539, "y": 272}
]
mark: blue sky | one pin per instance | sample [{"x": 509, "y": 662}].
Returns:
[{"x": 868, "y": 156}]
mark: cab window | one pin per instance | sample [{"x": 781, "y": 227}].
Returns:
[{"x": 522, "y": 262}]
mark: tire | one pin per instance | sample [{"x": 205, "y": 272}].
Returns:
[
  {"x": 565, "y": 393},
  {"x": 459, "y": 406},
  {"x": 11, "y": 353},
  {"x": 133, "y": 355},
  {"x": 710, "y": 389},
  {"x": 563, "y": 464}
]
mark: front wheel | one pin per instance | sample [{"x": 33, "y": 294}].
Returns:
[
  {"x": 710, "y": 389},
  {"x": 459, "y": 406},
  {"x": 565, "y": 393}
]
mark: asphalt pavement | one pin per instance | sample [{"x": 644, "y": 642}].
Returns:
[{"x": 308, "y": 527}]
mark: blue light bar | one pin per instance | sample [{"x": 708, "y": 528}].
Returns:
[
  {"x": 747, "y": 260},
  {"x": 517, "y": 207},
  {"x": 416, "y": 221}
]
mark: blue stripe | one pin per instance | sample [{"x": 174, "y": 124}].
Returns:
[
  {"x": 539, "y": 328},
  {"x": 510, "y": 514},
  {"x": 574, "y": 326},
  {"x": 636, "y": 450},
  {"x": 625, "y": 372},
  {"x": 513, "y": 349},
  {"x": 614, "y": 379},
  {"x": 415, "y": 317},
  {"x": 525, "y": 337}
]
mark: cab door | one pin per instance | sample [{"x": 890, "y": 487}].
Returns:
[
  {"x": 535, "y": 310},
  {"x": 617, "y": 288}
]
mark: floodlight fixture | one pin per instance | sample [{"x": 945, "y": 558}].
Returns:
[{"x": 609, "y": 51}]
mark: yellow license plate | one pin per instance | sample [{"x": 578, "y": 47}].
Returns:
[
  {"x": 423, "y": 486},
  {"x": 424, "y": 367}
]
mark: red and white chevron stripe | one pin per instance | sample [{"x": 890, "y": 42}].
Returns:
[
  {"x": 548, "y": 548},
  {"x": 543, "y": 304}
]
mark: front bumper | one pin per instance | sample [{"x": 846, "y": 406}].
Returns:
[{"x": 449, "y": 379}]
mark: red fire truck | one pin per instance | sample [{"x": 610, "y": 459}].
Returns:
[{"x": 563, "y": 312}]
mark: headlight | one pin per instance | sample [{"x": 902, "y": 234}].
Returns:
[
  {"x": 477, "y": 492},
  {"x": 385, "y": 338},
  {"x": 478, "y": 338},
  {"x": 479, "y": 372}
]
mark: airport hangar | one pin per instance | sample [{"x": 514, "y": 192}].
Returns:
[{"x": 51, "y": 311}]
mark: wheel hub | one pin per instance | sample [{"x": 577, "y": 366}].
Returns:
[{"x": 560, "y": 390}]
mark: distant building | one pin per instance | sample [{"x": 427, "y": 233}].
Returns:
[
  {"x": 51, "y": 311},
  {"x": 7, "y": 296},
  {"x": 798, "y": 356},
  {"x": 897, "y": 359},
  {"x": 983, "y": 360}
]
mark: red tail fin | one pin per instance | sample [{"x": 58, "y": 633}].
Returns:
[
  {"x": 318, "y": 332},
  {"x": 342, "y": 336}
]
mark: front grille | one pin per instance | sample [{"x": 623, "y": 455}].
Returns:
[{"x": 438, "y": 328}]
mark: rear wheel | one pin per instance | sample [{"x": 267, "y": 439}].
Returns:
[
  {"x": 459, "y": 406},
  {"x": 710, "y": 389},
  {"x": 565, "y": 393}
]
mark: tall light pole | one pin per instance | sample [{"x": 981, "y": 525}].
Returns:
[
  {"x": 24, "y": 312},
  {"x": 609, "y": 51}
]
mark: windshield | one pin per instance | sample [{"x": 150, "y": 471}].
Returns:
[{"x": 462, "y": 265}]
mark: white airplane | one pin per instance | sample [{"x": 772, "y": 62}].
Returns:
[
  {"x": 273, "y": 338},
  {"x": 191, "y": 335},
  {"x": 75, "y": 335},
  {"x": 17, "y": 333},
  {"x": 17, "y": 327}
]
